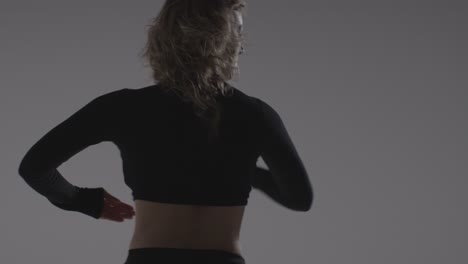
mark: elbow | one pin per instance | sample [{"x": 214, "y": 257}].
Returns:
[
  {"x": 305, "y": 204},
  {"x": 308, "y": 199},
  {"x": 23, "y": 170},
  {"x": 26, "y": 169},
  {"x": 24, "y": 166},
  {"x": 301, "y": 207},
  {"x": 305, "y": 207}
]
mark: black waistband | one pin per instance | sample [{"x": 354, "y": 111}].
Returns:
[{"x": 184, "y": 254}]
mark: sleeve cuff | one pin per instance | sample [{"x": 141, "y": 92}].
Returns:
[{"x": 89, "y": 201}]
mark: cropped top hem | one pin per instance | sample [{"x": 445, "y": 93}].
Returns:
[{"x": 173, "y": 200}]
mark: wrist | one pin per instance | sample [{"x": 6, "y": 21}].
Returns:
[{"x": 90, "y": 201}]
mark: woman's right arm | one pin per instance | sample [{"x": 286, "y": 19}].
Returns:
[{"x": 286, "y": 181}]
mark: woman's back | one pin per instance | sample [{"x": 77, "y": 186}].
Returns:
[
  {"x": 171, "y": 155},
  {"x": 207, "y": 179},
  {"x": 187, "y": 226},
  {"x": 190, "y": 187}
]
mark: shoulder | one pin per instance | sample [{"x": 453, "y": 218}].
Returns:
[
  {"x": 118, "y": 94},
  {"x": 115, "y": 97},
  {"x": 108, "y": 102},
  {"x": 266, "y": 112},
  {"x": 244, "y": 97},
  {"x": 262, "y": 105},
  {"x": 258, "y": 108}
]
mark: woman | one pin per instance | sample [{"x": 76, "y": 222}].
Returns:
[{"x": 189, "y": 144}]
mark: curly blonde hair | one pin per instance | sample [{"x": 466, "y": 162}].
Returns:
[{"x": 192, "y": 48}]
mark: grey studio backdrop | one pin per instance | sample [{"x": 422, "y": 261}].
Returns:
[{"x": 373, "y": 93}]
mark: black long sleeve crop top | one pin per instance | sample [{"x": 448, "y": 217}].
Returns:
[{"x": 166, "y": 154}]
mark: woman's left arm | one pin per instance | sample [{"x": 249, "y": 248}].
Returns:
[{"x": 90, "y": 125}]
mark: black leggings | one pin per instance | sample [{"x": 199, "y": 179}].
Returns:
[{"x": 181, "y": 256}]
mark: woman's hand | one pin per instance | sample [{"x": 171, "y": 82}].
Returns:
[{"x": 115, "y": 210}]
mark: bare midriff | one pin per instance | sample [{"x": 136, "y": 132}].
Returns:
[{"x": 187, "y": 226}]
